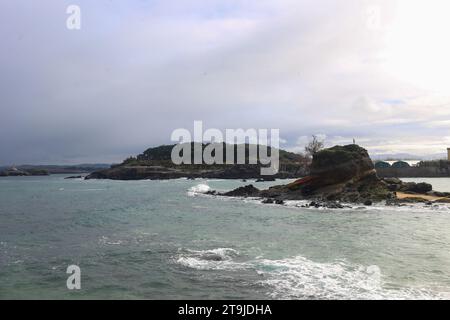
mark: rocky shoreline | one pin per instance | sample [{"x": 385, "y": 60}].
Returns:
[{"x": 343, "y": 174}]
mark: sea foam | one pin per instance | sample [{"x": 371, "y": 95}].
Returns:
[
  {"x": 199, "y": 189},
  {"x": 215, "y": 259},
  {"x": 300, "y": 278}
]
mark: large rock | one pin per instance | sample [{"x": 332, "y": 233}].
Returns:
[
  {"x": 341, "y": 173},
  {"x": 341, "y": 163}
]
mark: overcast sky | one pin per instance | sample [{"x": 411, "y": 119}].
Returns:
[{"x": 376, "y": 71}]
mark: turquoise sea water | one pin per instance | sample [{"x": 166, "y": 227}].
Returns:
[{"x": 165, "y": 240}]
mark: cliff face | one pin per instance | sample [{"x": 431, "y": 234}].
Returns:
[{"x": 156, "y": 164}]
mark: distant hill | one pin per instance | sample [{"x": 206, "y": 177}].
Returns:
[
  {"x": 54, "y": 169},
  {"x": 409, "y": 156}
]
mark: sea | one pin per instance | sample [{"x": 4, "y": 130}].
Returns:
[{"x": 168, "y": 240}]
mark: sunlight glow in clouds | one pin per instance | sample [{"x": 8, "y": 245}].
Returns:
[{"x": 418, "y": 46}]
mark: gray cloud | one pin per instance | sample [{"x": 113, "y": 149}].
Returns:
[{"x": 139, "y": 69}]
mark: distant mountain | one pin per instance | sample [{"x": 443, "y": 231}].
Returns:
[
  {"x": 408, "y": 156},
  {"x": 57, "y": 169}
]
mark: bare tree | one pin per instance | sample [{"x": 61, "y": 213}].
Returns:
[{"x": 314, "y": 146}]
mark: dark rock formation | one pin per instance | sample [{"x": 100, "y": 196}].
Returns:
[
  {"x": 247, "y": 191},
  {"x": 341, "y": 164},
  {"x": 338, "y": 174},
  {"x": 421, "y": 187},
  {"x": 395, "y": 184}
]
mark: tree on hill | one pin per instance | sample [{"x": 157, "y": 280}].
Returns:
[{"x": 314, "y": 146}]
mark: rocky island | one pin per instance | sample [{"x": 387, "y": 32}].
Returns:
[
  {"x": 343, "y": 174},
  {"x": 156, "y": 164}
]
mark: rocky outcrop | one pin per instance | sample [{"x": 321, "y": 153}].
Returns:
[
  {"x": 395, "y": 184},
  {"x": 247, "y": 191},
  {"x": 345, "y": 175},
  {"x": 339, "y": 174}
]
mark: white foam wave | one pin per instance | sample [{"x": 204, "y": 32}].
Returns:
[
  {"x": 199, "y": 189},
  {"x": 215, "y": 259},
  {"x": 300, "y": 278}
]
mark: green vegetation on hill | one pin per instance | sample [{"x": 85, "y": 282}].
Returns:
[
  {"x": 162, "y": 156},
  {"x": 156, "y": 163}
]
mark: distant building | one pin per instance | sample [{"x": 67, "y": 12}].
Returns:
[
  {"x": 400, "y": 164},
  {"x": 448, "y": 154}
]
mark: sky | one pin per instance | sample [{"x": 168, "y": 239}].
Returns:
[{"x": 374, "y": 71}]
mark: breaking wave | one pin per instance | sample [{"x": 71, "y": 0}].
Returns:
[
  {"x": 300, "y": 278},
  {"x": 215, "y": 259},
  {"x": 199, "y": 189}
]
